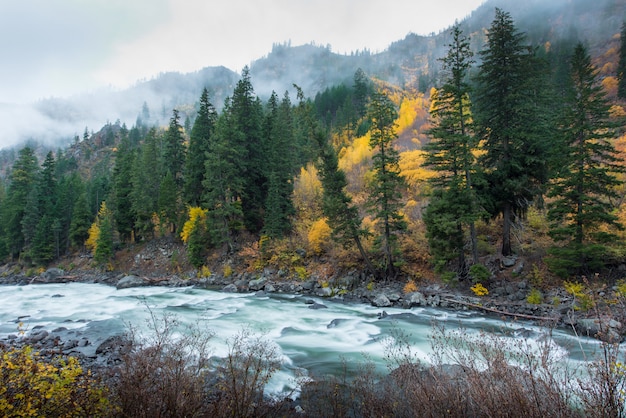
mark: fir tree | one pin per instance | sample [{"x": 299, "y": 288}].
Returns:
[
  {"x": 280, "y": 162},
  {"x": 199, "y": 145},
  {"x": 247, "y": 115},
  {"x": 385, "y": 190},
  {"x": 81, "y": 221},
  {"x": 454, "y": 204},
  {"x": 168, "y": 202},
  {"x": 122, "y": 189},
  {"x": 343, "y": 216},
  {"x": 223, "y": 183},
  {"x": 104, "y": 241},
  {"x": 586, "y": 182},
  {"x": 21, "y": 183},
  {"x": 42, "y": 232},
  {"x": 174, "y": 149},
  {"x": 508, "y": 117},
  {"x": 145, "y": 192}
]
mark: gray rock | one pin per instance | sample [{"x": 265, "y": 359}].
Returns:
[
  {"x": 599, "y": 328},
  {"x": 129, "y": 281},
  {"x": 309, "y": 285},
  {"x": 509, "y": 261},
  {"x": 37, "y": 336},
  {"x": 242, "y": 285},
  {"x": 393, "y": 297},
  {"x": 257, "y": 284},
  {"x": 324, "y": 292},
  {"x": 414, "y": 299},
  {"x": 318, "y": 306},
  {"x": 269, "y": 288},
  {"x": 381, "y": 301},
  {"x": 53, "y": 275},
  {"x": 231, "y": 288}
]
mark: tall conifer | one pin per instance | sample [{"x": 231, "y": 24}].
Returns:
[
  {"x": 454, "y": 204},
  {"x": 199, "y": 145},
  {"x": 586, "y": 184},
  {"x": 508, "y": 114},
  {"x": 385, "y": 190}
]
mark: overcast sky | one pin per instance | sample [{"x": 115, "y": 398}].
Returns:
[{"x": 63, "y": 47}]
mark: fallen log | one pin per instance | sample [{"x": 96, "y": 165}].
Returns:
[{"x": 499, "y": 312}]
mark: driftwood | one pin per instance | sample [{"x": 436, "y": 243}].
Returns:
[{"x": 499, "y": 312}]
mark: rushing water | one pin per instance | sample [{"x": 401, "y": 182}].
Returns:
[{"x": 314, "y": 340}]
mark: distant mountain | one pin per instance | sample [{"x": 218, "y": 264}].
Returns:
[{"x": 410, "y": 63}]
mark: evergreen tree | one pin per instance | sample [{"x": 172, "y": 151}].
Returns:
[
  {"x": 454, "y": 204},
  {"x": 508, "y": 116},
  {"x": 247, "y": 113},
  {"x": 122, "y": 189},
  {"x": 280, "y": 161},
  {"x": 21, "y": 183},
  {"x": 168, "y": 202},
  {"x": 223, "y": 183},
  {"x": 343, "y": 216},
  {"x": 81, "y": 220},
  {"x": 104, "y": 240},
  {"x": 43, "y": 227},
  {"x": 586, "y": 182},
  {"x": 199, "y": 144},
  {"x": 621, "y": 66},
  {"x": 145, "y": 192},
  {"x": 385, "y": 189},
  {"x": 174, "y": 149}
]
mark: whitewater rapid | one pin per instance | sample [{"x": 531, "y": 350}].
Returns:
[{"x": 319, "y": 341}]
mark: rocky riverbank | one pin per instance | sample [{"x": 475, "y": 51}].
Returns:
[{"x": 506, "y": 299}]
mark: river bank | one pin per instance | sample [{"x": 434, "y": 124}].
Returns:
[{"x": 506, "y": 298}]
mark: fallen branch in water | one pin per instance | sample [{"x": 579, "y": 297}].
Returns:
[{"x": 499, "y": 312}]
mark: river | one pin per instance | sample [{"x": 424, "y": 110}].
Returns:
[{"x": 310, "y": 340}]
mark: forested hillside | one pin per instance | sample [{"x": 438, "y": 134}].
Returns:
[{"x": 498, "y": 136}]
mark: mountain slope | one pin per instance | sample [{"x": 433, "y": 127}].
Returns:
[{"x": 411, "y": 63}]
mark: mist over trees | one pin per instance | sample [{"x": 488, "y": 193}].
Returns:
[{"x": 365, "y": 168}]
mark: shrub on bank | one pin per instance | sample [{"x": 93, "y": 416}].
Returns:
[{"x": 33, "y": 386}]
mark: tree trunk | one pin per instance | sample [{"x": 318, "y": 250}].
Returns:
[{"x": 506, "y": 230}]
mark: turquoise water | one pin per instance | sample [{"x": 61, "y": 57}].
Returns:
[{"x": 317, "y": 341}]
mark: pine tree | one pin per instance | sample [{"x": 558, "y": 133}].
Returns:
[
  {"x": 81, "y": 221},
  {"x": 21, "y": 183},
  {"x": 621, "y": 65},
  {"x": 199, "y": 145},
  {"x": 168, "y": 202},
  {"x": 223, "y": 183},
  {"x": 122, "y": 189},
  {"x": 280, "y": 167},
  {"x": 385, "y": 189},
  {"x": 586, "y": 182},
  {"x": 104, "y": 241},
  {"x": 508, "y": 116},
  {"x": 174, "y": 149},
  {"x": 454, "y": 204},
  {"x": 247, "y": 113},
  {"x": 145, "y": 192},
  {"x": 343, "y": 216},
  {"x": 42, "y": 228}
]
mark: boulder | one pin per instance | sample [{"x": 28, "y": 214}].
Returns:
[
  {"x": 231, "y": 288},
  {"x": 129, "y": 281},
  {"x": 257, "y": 284},
  {"x": 53, "y": 275},
  {"x": 414, "y": 299},
  {"x": 381, "y": 301},
  {"x": 604, "y": 329},
  {"x": 324, "y": 292}
]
